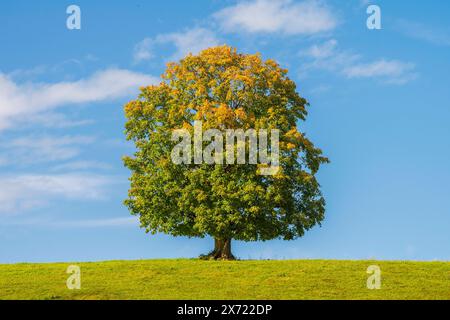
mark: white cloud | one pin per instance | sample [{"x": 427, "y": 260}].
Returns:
[
  {"x": 19, "y": 101},
  {"x": 86, "y": 223},
  {"x": 277, "y": 16},
  {"x": 96, "y": 223},
  {"x": 53, "y": 120},
  {"x": 327, "y": 56},
  {"x": 36, "y": 149},
  {"x": 82, "y": 165},
  {"x": 320, "y": 51},
  {"x": 29, "y": 73},
  {"x": 25, "y": 192},
  {"x": 391, "y": 69},
  {"x": 143, "y": 50},
  {"x": 191, "y": 41},
  {"x": 422, "y": 32}
]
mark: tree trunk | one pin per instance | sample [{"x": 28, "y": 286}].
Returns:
[{"x": 222, "y": 250}]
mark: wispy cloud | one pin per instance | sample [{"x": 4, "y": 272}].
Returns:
[
  {"x": 282, "y": 16},
  {"x": 98, "y": 223},
  {"x": 143, "y": 50},
  {"x": 327, "y": 56},
  {"x": 320, "y": 51},
  {"x": 25, "y": 192},
  {"x": 19, "y": 101},
  {"x": 394, "y": 71},
  {"x": 190, "y": 41},
  {"x": 52, "y": 120},
  {"x": 422, "y": 32},
  {"x": 85, "y": 223},
  {"x": 37, "y": 149},
  {"x": 81, "y": 165}
]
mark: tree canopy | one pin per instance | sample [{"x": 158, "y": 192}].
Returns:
[{"x": 225, "y": 90}]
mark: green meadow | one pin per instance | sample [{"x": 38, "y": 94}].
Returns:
[{"x": 250, "y": 279}]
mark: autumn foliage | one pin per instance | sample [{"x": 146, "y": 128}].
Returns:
[{"x": 225, "y": 90}]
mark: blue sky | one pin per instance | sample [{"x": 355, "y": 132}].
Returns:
[{"x": 380, "y": 109}]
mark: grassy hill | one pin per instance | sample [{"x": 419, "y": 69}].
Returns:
[{"x": 196, "y": 279}]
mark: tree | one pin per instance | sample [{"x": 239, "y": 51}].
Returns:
[{"x": 225, "y": 90}]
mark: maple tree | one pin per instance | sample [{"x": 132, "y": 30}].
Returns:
[{"x": 225, "y": 90}]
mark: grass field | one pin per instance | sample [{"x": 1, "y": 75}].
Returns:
[{"x": 197, "y": 279}]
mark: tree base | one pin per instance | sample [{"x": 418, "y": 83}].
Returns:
[
  {"x": 222, "y": 251},
  {"x": 213, "y": 255}
]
